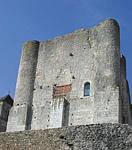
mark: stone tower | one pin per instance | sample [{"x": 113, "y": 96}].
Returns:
[
  {"x": 6, "y": 103},
  {"x": 75, "y": 79}
]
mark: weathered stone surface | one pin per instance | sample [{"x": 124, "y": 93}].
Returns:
[
  {"x": 59, "y": 68},
  {"x": 21, "y": 113},
  {"x": 89, "y": 137}
]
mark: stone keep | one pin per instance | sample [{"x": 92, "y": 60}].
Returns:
[{"x": 52, "y": 78}]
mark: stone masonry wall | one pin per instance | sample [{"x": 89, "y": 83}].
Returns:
[
  {"x": 21, "y": 112},
  {"x": 4, "y": 112},
  {"x": 89, "y": 137},
  {"x": 125, "y": 101},
  {"x": 6, "y": 103},
  {"x": 87, "y": 55},
  {"x": 56, "y": 70}
]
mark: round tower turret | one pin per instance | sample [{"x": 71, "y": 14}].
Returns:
[{"x": 26, "y": 74}]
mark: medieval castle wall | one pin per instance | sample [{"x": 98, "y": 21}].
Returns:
[
  {"x": 50, "y": 90},
  {"x": 84, "y": 137}
]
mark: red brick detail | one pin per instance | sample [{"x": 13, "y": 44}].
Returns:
[{"x": 61, "y": 90}]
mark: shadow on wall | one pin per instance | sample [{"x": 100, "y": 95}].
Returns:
[{"x": 66, "y": 113}]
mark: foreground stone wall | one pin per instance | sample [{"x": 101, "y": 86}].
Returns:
[{"x": 89, "y": 137}]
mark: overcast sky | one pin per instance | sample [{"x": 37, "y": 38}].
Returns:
[{"x": 23, "y": 20}]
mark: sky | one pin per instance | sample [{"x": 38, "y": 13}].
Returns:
[{"x": 24, "y": 20}]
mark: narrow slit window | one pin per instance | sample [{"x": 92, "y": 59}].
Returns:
[{"x": 87, "y": 89}]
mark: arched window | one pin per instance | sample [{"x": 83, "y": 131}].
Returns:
[{"x": 87, "y": 89}]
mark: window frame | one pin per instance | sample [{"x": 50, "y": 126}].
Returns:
[{"x": 88, "y": 90}]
